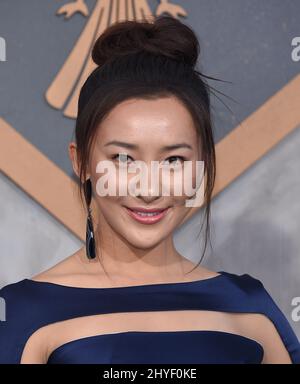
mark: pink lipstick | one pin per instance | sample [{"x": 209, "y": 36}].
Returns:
[{"x": 147, "y": 216}]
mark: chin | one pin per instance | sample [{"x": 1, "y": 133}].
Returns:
[{"x": 142, "y": 243}]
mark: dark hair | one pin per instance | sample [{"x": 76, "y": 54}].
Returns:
[{"x": 149, "y": 60}]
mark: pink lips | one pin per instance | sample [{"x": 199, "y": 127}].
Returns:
[{"x": 147, "y": 219}]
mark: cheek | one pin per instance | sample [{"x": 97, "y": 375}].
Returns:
[
  {"x": 112, "y": 181},
  {"x": 184, "y": 181},
  {"x": 109, "y": 211}
]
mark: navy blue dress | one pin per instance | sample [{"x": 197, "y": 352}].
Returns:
[{"x": 31, "y": 305}]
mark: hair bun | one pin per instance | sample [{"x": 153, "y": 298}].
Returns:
[{"x": 164, "y": 36}]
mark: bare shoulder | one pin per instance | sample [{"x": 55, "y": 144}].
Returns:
[
  {"x": 63, "y": 272},
  {"x": 198, "y": 272}
]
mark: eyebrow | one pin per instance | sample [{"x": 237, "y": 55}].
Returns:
[{"x": 135, "y": 147}]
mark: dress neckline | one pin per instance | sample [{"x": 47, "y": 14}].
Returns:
[{"x": 221, "y": 274}]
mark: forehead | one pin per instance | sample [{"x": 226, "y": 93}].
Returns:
[{"x": 148, "y": 121}]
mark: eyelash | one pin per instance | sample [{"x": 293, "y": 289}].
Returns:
[{"x": 179, "y": 157}]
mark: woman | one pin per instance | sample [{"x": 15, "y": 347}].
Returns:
[{"x": 128, "y": 296}]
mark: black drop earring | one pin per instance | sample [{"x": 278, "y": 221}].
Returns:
[{"x": 90, "y": 237}]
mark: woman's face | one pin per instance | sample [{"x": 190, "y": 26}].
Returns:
[{"x": 138, "y": 130}]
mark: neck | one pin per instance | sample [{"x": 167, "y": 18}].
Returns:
[{"x": 121, "y": 260}]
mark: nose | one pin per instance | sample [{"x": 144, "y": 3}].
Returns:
[
  {"x": 149, "y": 194},
  {"x": 148, "y": 199},
  {"x": 152, "y": 191}
]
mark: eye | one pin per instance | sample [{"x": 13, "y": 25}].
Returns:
[
  {"x": 181, "y": 158},
  {"x": 122, "y": 157}
]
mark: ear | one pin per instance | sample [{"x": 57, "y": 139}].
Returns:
[{"x": 73, "y": 157}]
